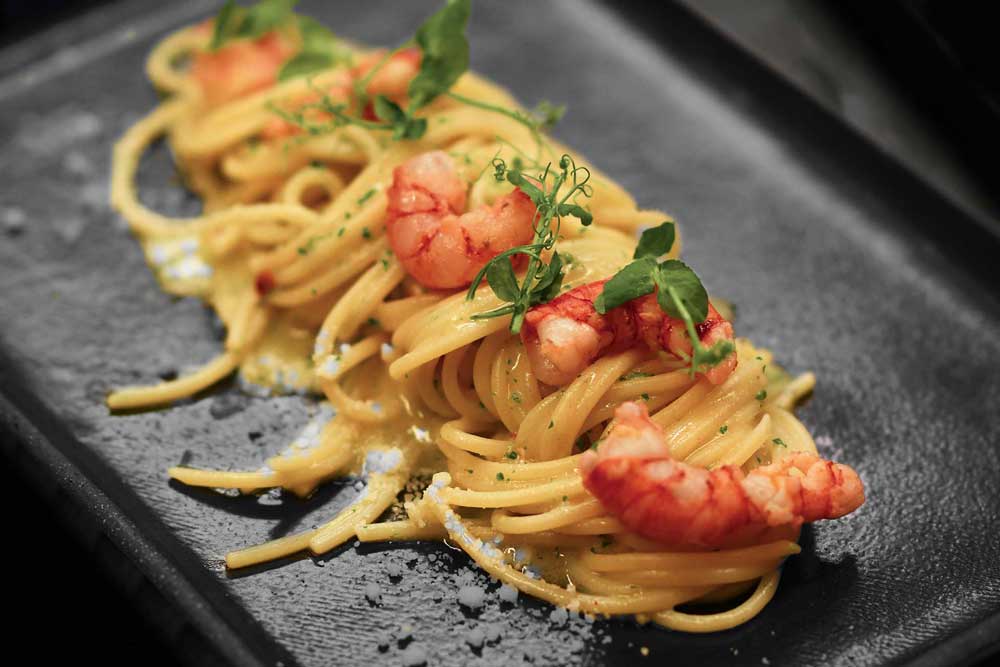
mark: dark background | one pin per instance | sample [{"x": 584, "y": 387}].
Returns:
[{"x": 917, "y": 77}]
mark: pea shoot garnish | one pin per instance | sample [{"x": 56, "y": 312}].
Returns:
[
  {"x": 679, "y": 291},
  {"x": 234, "y": 22},
  {"x": 444, "y": 57},
  {"x": 554, "y": 193}
]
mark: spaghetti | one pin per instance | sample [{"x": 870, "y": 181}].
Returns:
[{"x": 292, "y": 252}]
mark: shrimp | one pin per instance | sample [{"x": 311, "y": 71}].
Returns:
[
  {"x": 438, "y": 242},
  {"x": 634, "y": 477},
  {"x": 392, "y": 80},
  {"x": 563, "y": 336},
  {"x": 241, "y": 67}
]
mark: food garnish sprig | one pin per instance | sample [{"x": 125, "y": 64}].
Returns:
[
  {"x": 541, "y": 281},
  {"x": 444, "y": 50},
  {"x": 679, "y": 292}
]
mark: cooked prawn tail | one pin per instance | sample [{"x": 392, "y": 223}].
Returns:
[{"x": 635, "y": 478}]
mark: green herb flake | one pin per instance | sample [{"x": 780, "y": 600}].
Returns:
[
  {"x": 761, "y": 395},
  {"x": 500, "y": 477},
  {"x": 366, "y": 233},
  {"x": 516, "y": 397},
  {"x": 779, "y": 442},
  {"x": 366, "y": 196},
  {"x": 512, "y": 455},
  {"x": 723, "y": 429}
]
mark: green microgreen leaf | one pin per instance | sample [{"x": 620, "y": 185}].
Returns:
[
  {"x": 577, "y": 211},
  {"x": 445, "y": 53},
  {"x": 502, "y": 280},
  {"x": 403, "y": 125},
  {"x": 320, "y": 50},
  {"x": 656, "y": 241},
  {"x": 687, "y": 286},
  {"x": 235, "y": 22},
  {"x": 633, "y": 281}
]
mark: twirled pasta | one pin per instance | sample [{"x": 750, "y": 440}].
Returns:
[{"x": 292, "y": 254}]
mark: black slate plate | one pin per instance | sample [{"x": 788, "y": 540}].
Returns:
[{"x": 836, "y": 258}]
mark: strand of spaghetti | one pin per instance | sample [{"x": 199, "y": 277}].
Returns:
[
  {"x": 393, "y": 313},
  {"x": 127, "y": 152},
  {"x": 379, "y": 494},
  {"x": 702, "y": 576},
  {"x": 517, "y": 472},
  {"x": 545, "y": 538},
  {"x": 630, "y": 562},
  {"x": 159, "y": 64},
  {"x": 592, "y": 582},
  {"x": 752, "y": 606},
  {"x": 466, "y": 405},
  {"x": 525, "y": 496},
  {"x": 326, "y": 282},
  {"x": 131, "y": 398},
  {"x": 743, "y": 450},
  {"x": 457, "y": 433},
  {"x": 795, "y": 391},
  {"x": 482, "y": 369},
  {"x": 268, "y": 551},
  {"x": 792, "y": 434},
  {"x": 491, "y": 559},
  {"x": 365, "y": 226},
  {"x": 221, "y": 479},
  {"x": 606, "y": 525},
  {"x": 656, "y": 391},
  {"x": 575, "y": 404},
  {"x": 551, "y": 520},
  {"x": 242, "y": 321},
  {"x": 737, "y": 429},
  {"x": 391, "y": 531},
  {"x": 358, "y": 303}
]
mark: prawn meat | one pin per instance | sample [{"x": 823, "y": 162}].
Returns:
[
  {"x": 438, "y": 242},
  {"x": 565, "y": 335},
  {"x": 391, "y": 80},
  {"x": 634, "y": 477},
  {"x": 241, "y": 67}
]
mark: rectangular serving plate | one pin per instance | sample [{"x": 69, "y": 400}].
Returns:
[{"x": 837, "y": 258}]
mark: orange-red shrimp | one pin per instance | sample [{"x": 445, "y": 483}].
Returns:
[
  {"x": 241, "y": 67},
  {"x": 437, "y": 241},
  {"x": 563, "y": 336},
  {"x": 674, "y": 503},
  {"x": 392, "y": 80}
]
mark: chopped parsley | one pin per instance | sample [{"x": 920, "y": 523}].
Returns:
[
  {"x": 723, "y": 429},
  {"x": 779, "y": 442},
  {"x": 761, "y": 395}
]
